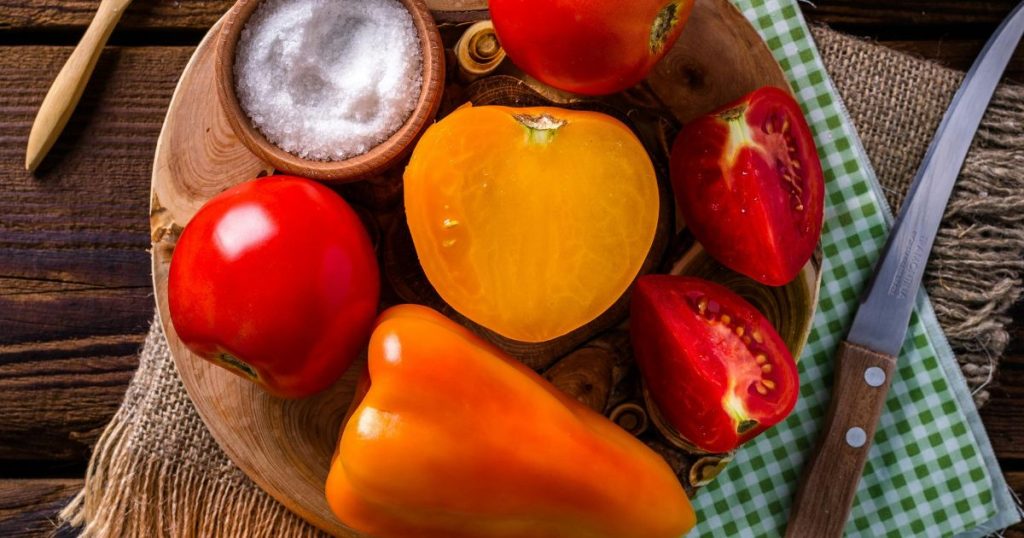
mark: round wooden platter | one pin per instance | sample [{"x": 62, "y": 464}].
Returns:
[{"x": 285, "y": 446}]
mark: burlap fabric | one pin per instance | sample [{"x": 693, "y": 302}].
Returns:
[
  {"x": 974, "y": 274},
  {"x": 156, "y": 470}
]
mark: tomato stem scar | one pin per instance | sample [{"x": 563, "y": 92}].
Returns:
[
  {"x": 666, "y": 19},
  {"x": 746, "y": 426},
  {"x": 542, "y": 128},
  {"x": 240, "y": 366}
]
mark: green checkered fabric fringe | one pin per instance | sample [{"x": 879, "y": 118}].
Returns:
[{"x": 926, "y": 475}]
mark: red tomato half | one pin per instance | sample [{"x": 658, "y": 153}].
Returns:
[
  {"x": 276, "y": 280},
  {"x": 716, "y": 369},
  {"x": 749, "y": 185},
  {"x": 593, "y": 47}
]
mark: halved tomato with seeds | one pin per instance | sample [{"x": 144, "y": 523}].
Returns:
[
  {"x": 714, "y": 366},
  {"x": 750, "y": 187}
]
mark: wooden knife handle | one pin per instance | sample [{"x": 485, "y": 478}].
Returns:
[
  {"x": 67, "y": 88},
  {"x": 829, "y": 483}
]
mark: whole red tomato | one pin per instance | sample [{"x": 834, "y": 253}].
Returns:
[
  {"x": 276, "y": 280},
  {"x": 749, "y": 185},
  {"x": 593, "y": 47},
  {"x": 716, "y": 369}
]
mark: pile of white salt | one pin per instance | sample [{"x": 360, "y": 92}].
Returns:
[{"x": 328, "y": 79}]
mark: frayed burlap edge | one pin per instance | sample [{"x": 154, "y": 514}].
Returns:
[
  {"x": 974, "y": 273},
  {"x": 136, "y": 488},
  {"x": 976, "y": 276},
  {"x": 126, "y": 494}
]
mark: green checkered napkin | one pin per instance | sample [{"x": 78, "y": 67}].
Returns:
[{"x": 929, "y": 471}]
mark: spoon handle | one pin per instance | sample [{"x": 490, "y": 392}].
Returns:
[{"x": 67, "y": 88}]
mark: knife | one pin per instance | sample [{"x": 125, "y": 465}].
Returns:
[{"x": 866, "y": 360}]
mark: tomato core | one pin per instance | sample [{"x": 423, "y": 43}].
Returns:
[
  {"x": 750, "y": 187},
  {"x": 777, "y": 139},
  {"x": 749, "y": 368},
  {"x": 716, "y": 369}
]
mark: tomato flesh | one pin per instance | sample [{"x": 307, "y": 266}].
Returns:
[
  {"x": 715, "y": 367},
  {"x": 592, "y": 47},
  {"x": 749, "y": 184},
  {"x": 541, "y": 229},
  {"x": 276, "y": 280}
]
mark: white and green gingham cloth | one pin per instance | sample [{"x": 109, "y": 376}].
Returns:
[{"x": 931, "y": 470}]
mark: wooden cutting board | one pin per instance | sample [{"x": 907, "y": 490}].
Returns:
[{"x": 285, "y": 446}]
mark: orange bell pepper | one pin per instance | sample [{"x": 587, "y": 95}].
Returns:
[{"x": 449, "y": 437}]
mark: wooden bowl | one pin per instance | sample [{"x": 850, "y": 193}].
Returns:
[{"x": 384, "y": 155}]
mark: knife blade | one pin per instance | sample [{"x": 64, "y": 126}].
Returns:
[{"x": 866, "y": 360}]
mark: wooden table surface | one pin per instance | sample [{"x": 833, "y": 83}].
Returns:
[{"x": 75, "y": 297}]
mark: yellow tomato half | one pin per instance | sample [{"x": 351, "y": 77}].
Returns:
[{"x": 530, "y": 221}]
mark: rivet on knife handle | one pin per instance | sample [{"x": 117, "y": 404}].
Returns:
[{"x": 830, "y": 478}]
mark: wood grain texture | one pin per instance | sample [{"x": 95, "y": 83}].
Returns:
[
  {"x": 1003, "y": 414},
  {"x": 1015, "y": 479},
  {"x": 28, "y": 508},
  {"x": 245, "y": 421},
  {"x": 283, "y": 445},
  {"x": 694, "y": 84},
  {"x": 955, "y": 54},
  {"x": 75, "y": 297},
  {"x": 73, "y": 266},
  {"x": 146, "y": 14},
  {"x": 830, "y": 477},
  {"x": 918, "y": 13},
  {"x": 57, "y": 396},
  {"x": 363, "y": 166},
  {"x": 201, "y": 14}
]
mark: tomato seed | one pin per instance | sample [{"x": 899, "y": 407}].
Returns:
[{"x": 713, "y": 307}]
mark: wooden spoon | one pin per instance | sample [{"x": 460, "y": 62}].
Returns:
[{"x": 67, "y": 89}]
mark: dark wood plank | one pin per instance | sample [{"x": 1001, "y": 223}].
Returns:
[
  {"x": 20, "y": 15},
  {"x": 1004, "y": 414},
  {"x": 29, "y": 507},
  {"x": 955, "y": 53},
  {"x": 915, "y": 15},
  {"x": 75, "y": 291},
  {"x": 1016, "y": 481},
  {"x": 57, "y": 396}
]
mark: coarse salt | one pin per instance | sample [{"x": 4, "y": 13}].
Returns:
[{"x": 328, "y": 79}]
